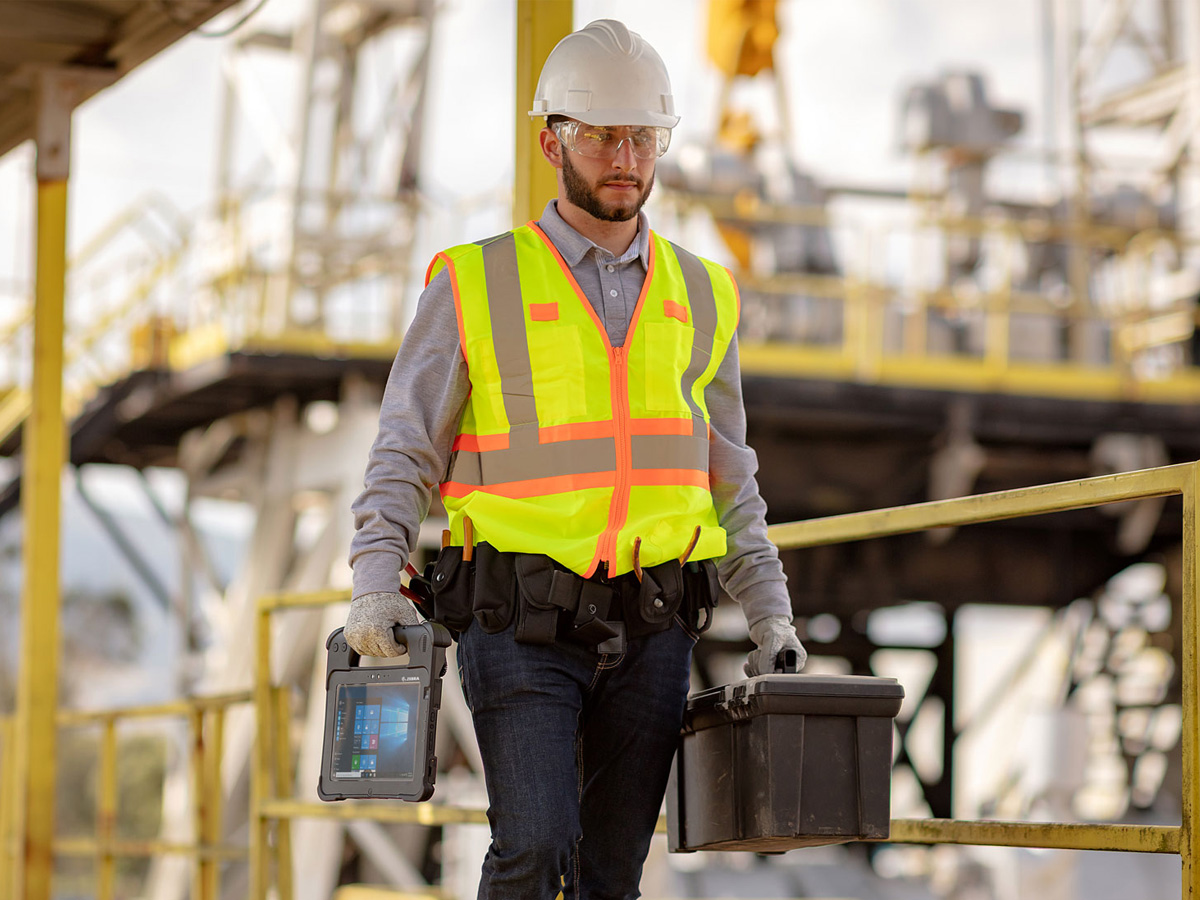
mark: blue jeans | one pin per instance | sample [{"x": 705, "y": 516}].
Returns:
[{"x": 576, "y": 747}]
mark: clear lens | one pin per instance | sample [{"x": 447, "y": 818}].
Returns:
[{"x": 605, "y": 141}]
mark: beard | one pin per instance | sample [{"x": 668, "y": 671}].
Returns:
[{"x": 583, "y": 195}]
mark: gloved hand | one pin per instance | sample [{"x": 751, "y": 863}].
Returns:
[
  {"x": 771, "y": 636},
  {"x": 372, "y": 616}
]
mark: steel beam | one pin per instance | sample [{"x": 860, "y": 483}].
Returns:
[
  {"x": 42, "y": 462},
  {"x": 58, "y": 92},
  {"x": 540, "y": 25},
  {"x": 1189, "y": 739}
]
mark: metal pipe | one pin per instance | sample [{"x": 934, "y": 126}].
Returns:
[
  {"x": 7, "y": 801},
  {"x": 211, "y": 876},
  {"x": 76, "y": 717},
  {"x": 1031, "y": 501},
  {"x": 196, "y": 765},
  {"x": 260, "y": 770},
  {"x": 1189, "y": 740},
  {"x": 106, "y": 811},
  {"x": 540, "y": 25},
  {"x": 42, "y": 462},
  {"x": 283, "y": 788},
  {"x": 1056, "y": 835}
]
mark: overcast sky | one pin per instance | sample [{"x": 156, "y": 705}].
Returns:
[{"x": 846, "y": 63}]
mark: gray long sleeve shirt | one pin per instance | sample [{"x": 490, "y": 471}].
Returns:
[{"x": 427, "y": 391}]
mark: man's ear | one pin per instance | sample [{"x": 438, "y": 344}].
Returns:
[{"x": 551, "y": 147}]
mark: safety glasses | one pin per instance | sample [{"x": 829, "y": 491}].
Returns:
[{"x": 604, "y": 141}]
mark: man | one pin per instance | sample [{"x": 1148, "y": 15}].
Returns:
[{"x": 572, "y": 386}]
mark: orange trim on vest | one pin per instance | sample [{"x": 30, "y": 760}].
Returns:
[
  {"x": 675, "y": 310},
  {"x": 574, "y": 431},
  {"x": 670, "y": 478},
  {"x": 480, "y": 443},
  {"x": 458, "y": 314},
  {"x": 618, "y": 510},
  {"x": 660, "y": 426},
  {"x": 533, "y": 487},
  {"x": 562, "y": 264},
  {"x": 737, "y": 299}
]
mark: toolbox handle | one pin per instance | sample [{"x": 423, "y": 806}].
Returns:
[{"x": 786, "y": 662}]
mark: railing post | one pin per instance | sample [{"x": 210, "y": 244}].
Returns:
[
  {"x": 283, "y": 788},
  {"x": 260, "y": 772},
  {"x": 8, "y": 787},
  {"x": 1189, "y": 741},
  {"x": 210, "y": 867},
  {"x": 197, "y": 765},
  {"x": 106, "y": 811}
]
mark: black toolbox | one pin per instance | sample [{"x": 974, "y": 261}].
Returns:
[{"x": 783, "y": 761}]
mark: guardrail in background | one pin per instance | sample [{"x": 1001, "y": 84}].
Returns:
[
  {"x": 273, "y": 807},
  {"x": 1039, "y": 500},
  {"x": 205, "y": 718},
  {"x": 863, "y": 322}
]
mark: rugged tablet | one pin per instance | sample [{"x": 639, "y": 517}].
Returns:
[{"x": 380, "y": 720}]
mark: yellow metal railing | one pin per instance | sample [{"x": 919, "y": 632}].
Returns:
[
  {"x": 273, "y": 805},
  {"x": 882, "y": 324},
  {"x": 205, "y": 717},
  {"x": 1170, "y": 480},
  {"x": 273, "y": 811}
]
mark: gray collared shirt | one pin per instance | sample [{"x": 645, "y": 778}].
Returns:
[{"x": 427, "y": 391}]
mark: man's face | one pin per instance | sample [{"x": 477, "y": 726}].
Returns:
[{"x": 613, "y": 190}]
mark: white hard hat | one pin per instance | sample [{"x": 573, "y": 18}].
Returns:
[{"x": 605, "y": 74}]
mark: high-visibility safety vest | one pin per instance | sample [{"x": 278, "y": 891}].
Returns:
[{"x": 571, "y": 447}]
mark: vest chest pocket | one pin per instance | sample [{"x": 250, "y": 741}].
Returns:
[
  {"x": 559, "y": 385},
  {"x": 668, "y": 355}
]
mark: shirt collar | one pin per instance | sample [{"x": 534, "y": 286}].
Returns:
[{"x": 574, "y": 246}]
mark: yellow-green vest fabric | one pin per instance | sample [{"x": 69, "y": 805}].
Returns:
[{"x": 570, "y": 447}]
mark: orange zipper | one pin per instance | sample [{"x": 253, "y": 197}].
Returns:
[{"x": 618, "y": 510}]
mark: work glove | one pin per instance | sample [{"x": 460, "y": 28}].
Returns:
[
  {"x": 371, "y": 619},
  {"x": 771, "y": 636}
]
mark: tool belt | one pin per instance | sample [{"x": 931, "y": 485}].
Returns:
[{"x": 550, "y": 602}]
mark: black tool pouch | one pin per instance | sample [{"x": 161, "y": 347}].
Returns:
[
  {"x": 544, "y": 591},
  {"x": 658, "y": 599},
  {"x": 453, "y": 589},
  {"x": 701, "y": 591},
  {"x": 494, "y": 588}
]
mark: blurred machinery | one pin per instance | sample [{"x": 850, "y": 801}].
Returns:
[{"x": 903, "y": 344}]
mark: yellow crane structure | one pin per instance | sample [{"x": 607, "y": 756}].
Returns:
[{"x": 996, "y": 361}]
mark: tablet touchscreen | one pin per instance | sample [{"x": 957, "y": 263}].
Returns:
[{"x": 376, "y": 733}]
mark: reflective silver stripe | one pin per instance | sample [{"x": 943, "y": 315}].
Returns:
[
  {"x": 704, "y": 324},
  {"x": 670, "y": 451},
  {"x": 509, "y": 341},
  {"x": 578, "y": 457}
]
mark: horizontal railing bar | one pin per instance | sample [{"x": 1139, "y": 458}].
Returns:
[
  {"x": 183, "y": 707},
  {"x": 1057, "y": 836},
  {"x": 392, "y": 813},
  {"x": 129, "y": 849},
  {"x": 1030, "y": 501},
  {"x": 1073, "y": 836},
  {"x": 270, "y": 602}
]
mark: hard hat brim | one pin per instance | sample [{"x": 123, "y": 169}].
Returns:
[{"x": 611, "y": 116}]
